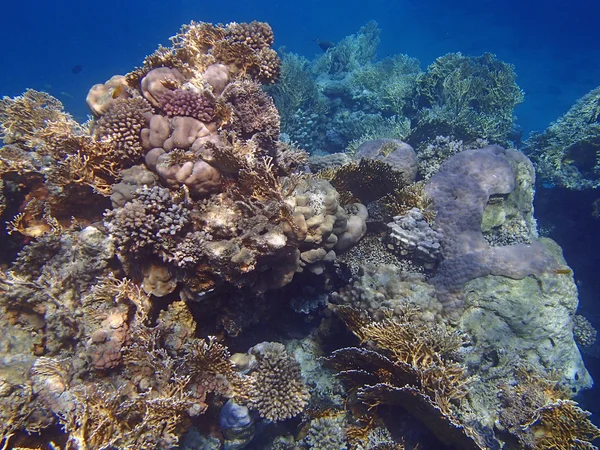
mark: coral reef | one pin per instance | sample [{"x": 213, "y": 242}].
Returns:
[
  {"x": 409, "y": 363},
  {"x": 344, "y": 97},
  {"x": 567, "y": 153},
  {"x": 473, "y": 96},
  {"x": 182, "y": 221}
]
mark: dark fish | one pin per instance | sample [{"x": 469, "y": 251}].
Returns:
[
  {"x": 324, "y": 45},
  {"x": 76, "y": 69},
  {"x": 118, "y": 91}
]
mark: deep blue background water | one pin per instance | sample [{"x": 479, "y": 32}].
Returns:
[{"x": 554, "y": 45}]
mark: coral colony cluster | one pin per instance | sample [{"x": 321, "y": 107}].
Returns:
[{"x": 176, "y": 273}]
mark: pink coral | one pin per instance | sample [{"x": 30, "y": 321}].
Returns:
[{"x": 182, "y": 102}]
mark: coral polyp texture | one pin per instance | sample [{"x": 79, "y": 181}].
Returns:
[{"x": 180, "y": 222}]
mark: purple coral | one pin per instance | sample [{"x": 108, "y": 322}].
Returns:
[
  {"x": 182, "y": 102},
  {"x": 460, "y": 191}
]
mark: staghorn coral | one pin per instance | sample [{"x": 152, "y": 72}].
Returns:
[
  {"x": 537, "y": 413},
  {"x": 562, "y": 425},
  {"x": 121, "y": 125},
  {"x": 21, "y": 117},
  {"x": 278, "y": 392}
]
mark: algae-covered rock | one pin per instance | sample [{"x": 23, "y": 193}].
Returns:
[{"x": 526, "y": 322}]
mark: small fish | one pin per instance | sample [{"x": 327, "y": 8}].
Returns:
[
  {"x": 324, "y": 45},
  {"x": 118, "y": 90},
  {"x": 76, "y": 69}
]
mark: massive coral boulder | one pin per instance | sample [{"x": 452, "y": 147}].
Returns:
[
  {"x": 528, "y": 320},
  {"x": 460, "y": 192},
  {"x": 397, "y": 154}
]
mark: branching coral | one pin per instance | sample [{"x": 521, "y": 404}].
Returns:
[
  {"x": 121, "y": 125},
  {"x": 21, "y": 117},
  {"x": 143, "y": 223},
  {"x": 536, "y": 411},
  {"x": 408, "y": 362},
  {"x": 181, "y": 102},
  {"x": 351, "y": 53},
  {"x": 388, "y": 85},
  {"x": 476, "y": 96},
  {"x": 278, "y": 391},
  {"x": 253, "y": 111},
  {"x": 567, "y": 153}
]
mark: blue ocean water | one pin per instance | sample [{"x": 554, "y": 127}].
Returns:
[
  {"x": 64, "y": 47},
  {"x": 553, "y": 45}
]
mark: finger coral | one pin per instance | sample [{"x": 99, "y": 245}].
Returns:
[
  {"x": 121, "y": 125},
  {"x": 188, "y": 103},
  {"x": 142, "y": 223},
  {"x": 278, "y": 391}
]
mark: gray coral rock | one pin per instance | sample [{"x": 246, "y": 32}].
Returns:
[
  {"x": 460, "y": 192},
  {"x": 411, "y": 236},
  {"x": 528, "y": 322}
]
